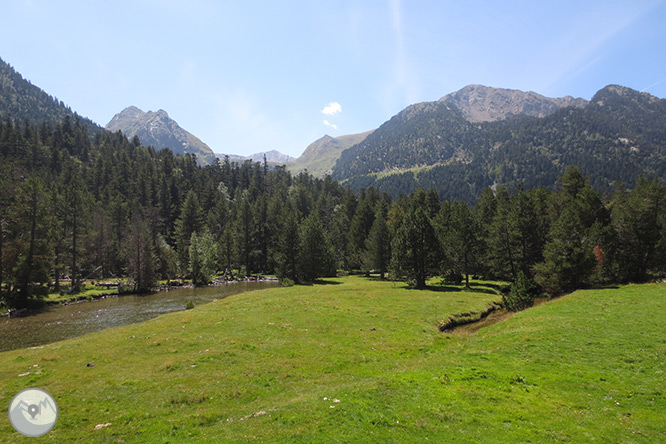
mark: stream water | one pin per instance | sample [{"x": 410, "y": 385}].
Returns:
[{"x": 58, "y": 322}]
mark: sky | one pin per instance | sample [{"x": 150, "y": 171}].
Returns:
[{"x": 251, "y": 76}]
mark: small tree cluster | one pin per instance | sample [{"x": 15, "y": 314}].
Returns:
[{"x": 521, "y": 294}]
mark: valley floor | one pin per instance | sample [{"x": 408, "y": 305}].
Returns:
[{"x": 359, "y": 360}]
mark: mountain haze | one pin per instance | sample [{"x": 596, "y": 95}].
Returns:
[{"x": 157, "y": 129}]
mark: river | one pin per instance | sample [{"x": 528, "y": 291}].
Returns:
[{"x": 58, "y": 322}]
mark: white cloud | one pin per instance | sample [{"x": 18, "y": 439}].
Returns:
[
  {"x": 332, "y": 109},
  {"x": 327, "y": 123}
]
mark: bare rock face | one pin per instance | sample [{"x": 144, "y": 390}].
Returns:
[
  {"x": 158, "y": 130},
  {"x": 480, "y": 103}
]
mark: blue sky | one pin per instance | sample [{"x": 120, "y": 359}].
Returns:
[{"x": 258, "y": 75}]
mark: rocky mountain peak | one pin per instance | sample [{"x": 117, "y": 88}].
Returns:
[
  {"x": 157, "y": 129},
  {"x": 480, "y": 103},
  {"x": 613, "y": 93}
]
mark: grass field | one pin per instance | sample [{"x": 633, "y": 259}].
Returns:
[{"x": 357, "y": 360}]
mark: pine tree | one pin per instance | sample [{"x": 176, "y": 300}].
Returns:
[
  {"x": 140, "y": 253},
  {"x": 77, "y": 201},
  {"x": 34, "y": 261},
  {"x": 378, "y": 244},
  {"x": 520, "y": 296},
  {"x": 360, "y": 227},
  {"x": 463, "y": 242},
  {"x": 202, "y": 258},
  {"x": 166, "y": 259},
  {"x": 414, "y": 248},
  {"x": 316, "y": 256},
  {"x": 287, "y": 249},
  {"x": 245, "y": 235},
  {"x": 638, "y": 221},
  {"x": 503, "y": 242},
  {"x": 580, "y": 228},
  {"x": 190, "y": 221},
  {"x": 568, "y": 255}
]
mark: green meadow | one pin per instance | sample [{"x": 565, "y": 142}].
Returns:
[{"x": 358, "y": 360}]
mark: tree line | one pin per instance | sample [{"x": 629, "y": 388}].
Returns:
[{"x": 76, "y": 207}]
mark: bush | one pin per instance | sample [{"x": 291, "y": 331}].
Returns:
[
  {"x": 189, "y": 305},
  {"x": 286, "y": 282},
  {"x": 521, "y": 295}
]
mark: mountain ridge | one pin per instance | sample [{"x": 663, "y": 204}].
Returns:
[
  {"x": 619, "y": 135},
  {"x": 320, "y": 156},
  {"x": 157, "y": 129},
  {"x": 480, "y": 103},
  {"x": 272, "y": 156}
]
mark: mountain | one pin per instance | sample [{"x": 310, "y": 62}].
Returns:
[
  {"x": 320, "y": 156},
  {"x": 158, "y": 130},
  {"x": 272, "y": 156},
  {"x": 21, "y": 101},
  {"x": 619, "y": 135},
  {"x": 480, "y": 103}
]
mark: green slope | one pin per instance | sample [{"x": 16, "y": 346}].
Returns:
[
  {"x": 320, "y": 156},
  {"x": 361, "y": 361}
]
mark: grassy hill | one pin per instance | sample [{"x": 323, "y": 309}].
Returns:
[
  {"x": 356, "y": 360},
  {"x": 320, "y": 156}
]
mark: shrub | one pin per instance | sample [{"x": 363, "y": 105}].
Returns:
[
  {"x": 189, "y": 305},
  {"x": 286, "y": 282},
  {"x": 520, "y": 296}
]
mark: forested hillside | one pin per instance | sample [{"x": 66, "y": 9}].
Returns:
[
  {"x": 618, "y": 136},
  {"x": 20, "y": 100}
]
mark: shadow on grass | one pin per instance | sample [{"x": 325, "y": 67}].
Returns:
[
  {"x": 450, "y": 289},
  {"x": 498, "y": 287},
  {"x": 320, "y": 282},
  {"x": 376, "y": 278}
]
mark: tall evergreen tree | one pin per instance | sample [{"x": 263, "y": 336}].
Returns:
[
  {"x": 140, "y": 253},
  {"x": 202, "y": 258},
  {"x": 638, "y": 219},
  {"x": 569, "y": 254},
  {"x": 378, "y": 244},
  {"x": 77, "y": 201},
  {"x": 245, "y": 235},
  {"x": 32, "y": 267},
  {"x": 464, "y": 246},
  {"x": 190, "y": 221},
  {"x": 287, "y": 248},
  {"x": 316, "y": 256},
  {"x": 414, "y": 248}
]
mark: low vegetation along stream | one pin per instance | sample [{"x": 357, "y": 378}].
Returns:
[{"x": 69, "y": 321}]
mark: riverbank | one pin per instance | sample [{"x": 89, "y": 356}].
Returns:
[
  {"x": 358, "y": 360},
  {"x": 64, "y": 321},
  {"x": 113, "y": 288}
]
